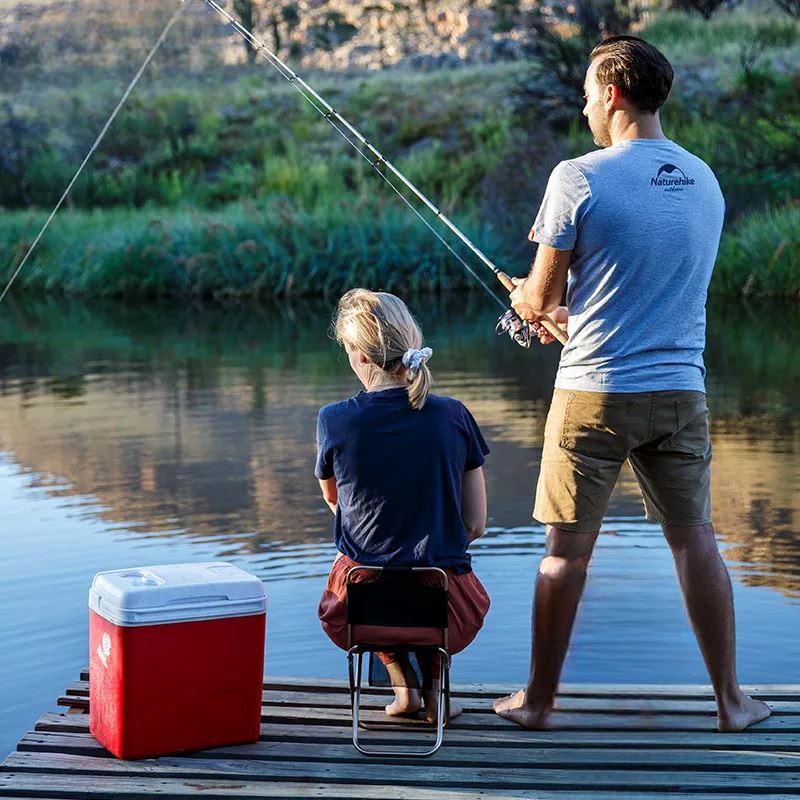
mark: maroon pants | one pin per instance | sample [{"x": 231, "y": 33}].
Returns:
[{"x": 467, "y": 600}]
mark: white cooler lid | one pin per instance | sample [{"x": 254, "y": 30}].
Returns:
[{"x": 176, "y": 593}]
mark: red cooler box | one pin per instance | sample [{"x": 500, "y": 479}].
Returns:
[{"x": 176, "y": 658}]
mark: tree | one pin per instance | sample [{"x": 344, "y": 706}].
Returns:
[
  {"x": 247, "y": 12},
  {"x": 704, "y": 7},
  {"x": 790, "y": 7},
  {"x": 560, "y": 39}
]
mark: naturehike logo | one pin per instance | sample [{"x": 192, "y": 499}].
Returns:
[{"x": 672, "y": 178}]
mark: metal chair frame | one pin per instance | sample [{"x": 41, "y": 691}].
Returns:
[{"x": 355, "y": 673}]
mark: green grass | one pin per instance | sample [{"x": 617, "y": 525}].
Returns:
[
  {"x": 760, "y": 255},
  {"x": 243, "y": 250},
  {"x": 738, "y": 26},
  {"x": 249, "y": 133},
  {"x": 279, "y": 250}
]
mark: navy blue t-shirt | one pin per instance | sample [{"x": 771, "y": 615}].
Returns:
[{"x": 399, "y": 475}]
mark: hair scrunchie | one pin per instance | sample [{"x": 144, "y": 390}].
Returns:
[{"x": 413, "y": 359}]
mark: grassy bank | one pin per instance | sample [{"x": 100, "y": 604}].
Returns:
[
  {"x": 272, "y": 249},
  {"x": 226, "y": 183},
  {"x": 275, "y": 250}
]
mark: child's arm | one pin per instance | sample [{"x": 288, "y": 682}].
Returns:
[
  {"x": 473, "y": 503},
  {"x": 329, "y": 492}
]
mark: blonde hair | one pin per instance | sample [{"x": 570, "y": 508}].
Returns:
[{"x": 382, "y": 328}]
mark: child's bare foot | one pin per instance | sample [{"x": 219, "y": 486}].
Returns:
[
  {"x": 431, "y": 697},
  {"x": 407, "y": 698},
  {"x": 737, "y": 717},
  {"x": 513, "y": 707},
  {"x": 406, "y": 701}
]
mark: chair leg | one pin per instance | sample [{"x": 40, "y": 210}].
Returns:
[
  {"x": 445, "y": 683},
  {"x": 351, "y": 675},
  {"x": 355, "y": 700}
]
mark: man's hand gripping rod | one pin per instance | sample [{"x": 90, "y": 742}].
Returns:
[{"x": 510, "y": 322}]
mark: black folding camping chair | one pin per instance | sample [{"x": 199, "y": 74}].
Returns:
[{"x": 397, "y": 598}]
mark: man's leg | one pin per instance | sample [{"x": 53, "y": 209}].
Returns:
[
  {"x": 706, "y": 588},
  {"x": 559, "y": 587}
]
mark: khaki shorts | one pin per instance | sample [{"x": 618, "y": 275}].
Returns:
[{"x": 589, "y": 435}]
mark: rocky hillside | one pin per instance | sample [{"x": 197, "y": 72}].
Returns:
[{"x": 330, "y": 34}]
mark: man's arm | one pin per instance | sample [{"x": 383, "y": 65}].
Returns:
[
  {"x": 329, "y": 492},
  {"x": 541, "y": 292}
]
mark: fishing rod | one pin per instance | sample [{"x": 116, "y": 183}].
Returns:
[{"x": 509, "y": 322}]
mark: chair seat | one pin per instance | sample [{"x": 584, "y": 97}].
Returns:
[{"x": 380, "y": 635}]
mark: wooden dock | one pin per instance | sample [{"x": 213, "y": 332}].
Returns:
[{"x": 621, "y": 742}]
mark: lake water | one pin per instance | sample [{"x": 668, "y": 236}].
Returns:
[{"x": 135, "y": 436}]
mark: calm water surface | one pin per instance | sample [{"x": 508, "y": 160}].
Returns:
[{"x": 141, "y": 436}]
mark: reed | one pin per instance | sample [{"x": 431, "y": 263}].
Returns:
[
  {"x": 760, "y": 255},
  {"x": 273, "y": 249}
]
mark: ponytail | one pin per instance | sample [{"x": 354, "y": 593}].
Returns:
[{"x": 419, "y": 386}]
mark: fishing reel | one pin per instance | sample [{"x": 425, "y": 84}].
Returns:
[{"x": 518, "y": 329}]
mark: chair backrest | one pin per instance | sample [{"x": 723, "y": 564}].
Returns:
[{"x": 397, "y": 598}]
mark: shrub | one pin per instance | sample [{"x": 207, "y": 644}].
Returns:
[
  {"x": 275, "y": 249},
  {"x": 760, "y": 255},
  {"x": 560, "y": 40},
  {"x": 703, "y": 7},
  {"x": 790, "y": 7}
]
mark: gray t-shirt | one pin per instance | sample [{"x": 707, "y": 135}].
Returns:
[{"x": 643, "y": 219}]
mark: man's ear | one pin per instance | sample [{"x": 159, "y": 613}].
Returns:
[
  {"x": 612, "y": 96},
  {"x": 362, "y": 359}
]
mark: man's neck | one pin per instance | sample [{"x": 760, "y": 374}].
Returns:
[{"x": 624, "y": 128}]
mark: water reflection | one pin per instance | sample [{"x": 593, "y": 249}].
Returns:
[{"x": 200, "y": 420}]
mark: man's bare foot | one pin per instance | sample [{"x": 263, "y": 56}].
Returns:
[
  {"x": 406, "y": 701},
  {"x": 741, "y": 715},
  {"x": 431, "y": 697},
  {"x": 513, "y": 708}
]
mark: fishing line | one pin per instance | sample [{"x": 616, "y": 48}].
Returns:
[
  {"x": 96, "y": 144},
  {"x": 330, "y": 114},
  {"x": 518, "y": 329},
  {"x": 422, "y": 219}
]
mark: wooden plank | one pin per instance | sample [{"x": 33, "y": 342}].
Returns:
[
  {"x": 641, "y": 719},
  {"x": 578, "y": 705},
  {"x": 483, "y": 703},
  {"x": 76, "y": 788},
  {"x": 560, "y": 721},
  {"x": 624, "y": 706},
  {"x": 430, "y": 775},
  {"x": 454, "y": 755},
  {"x": 510, "y": 736},
  {"x": 600, "y": 691}
]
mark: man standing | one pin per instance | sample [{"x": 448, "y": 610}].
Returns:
[{"x": 632, "y": 231}]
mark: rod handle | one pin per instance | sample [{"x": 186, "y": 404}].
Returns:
[{"x": 547, "y": 322}]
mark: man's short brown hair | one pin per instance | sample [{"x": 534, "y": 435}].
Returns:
[{"x": 642, "y": 73}]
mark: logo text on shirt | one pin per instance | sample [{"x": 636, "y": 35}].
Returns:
[{"x": 672, "y": 178}]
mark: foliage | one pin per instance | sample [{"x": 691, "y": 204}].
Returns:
[
  {"x": 280, "y": 250},
  {"x": 703, "y": 7},
  {"x": 205, "y": 142},
  {"x": 560, "y": 40},
  {"x": 184, "y": 141},
  {"x": 272, "y": 250},
  {"x": 790, "y": 7},
  {"x": 681, "y": 34},
  {"x": 760, "y": 256}
]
